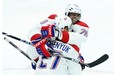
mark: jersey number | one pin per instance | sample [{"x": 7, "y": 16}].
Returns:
[
  {"x": 54, "y": 63},
  {"x": 84, "y": 32}
]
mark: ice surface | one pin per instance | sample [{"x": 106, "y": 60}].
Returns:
[{"x": 31, "y": 72}]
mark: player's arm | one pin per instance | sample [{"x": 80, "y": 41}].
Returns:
[
  {"x": 78, "y": 36},
  {"x": 39, "y": 48},
  {"x": 37, "y": 28}
]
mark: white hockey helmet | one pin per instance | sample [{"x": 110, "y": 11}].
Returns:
[
  {"x": 63, "y": 22},
  {"x": 73, "y": 8}
]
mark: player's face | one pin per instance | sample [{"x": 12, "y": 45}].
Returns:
[{"x": 74, "y": 17}]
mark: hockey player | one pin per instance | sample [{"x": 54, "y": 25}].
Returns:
[
  {"x": 70, "y": 38},
  {"x": 76, "y": 35},
  {"x": 48, "y": 64}
]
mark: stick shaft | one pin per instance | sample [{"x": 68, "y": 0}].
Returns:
[
  {"x": 15, "y": 46},
  {"x": 16, "y": 38}
]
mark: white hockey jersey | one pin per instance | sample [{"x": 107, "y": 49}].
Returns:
[
  {"x": 77, "y": 35},
  {"x": 69, "y": 44}
]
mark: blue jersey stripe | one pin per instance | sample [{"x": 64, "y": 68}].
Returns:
[{"x": 56, "y": 62}]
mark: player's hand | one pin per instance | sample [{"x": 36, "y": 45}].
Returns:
[
  {"x": 81, "y": 60},
  {"x": 42, "y": 47},
  {"x": 48, "y": 31}
]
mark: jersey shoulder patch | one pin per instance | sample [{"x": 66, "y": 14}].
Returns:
[
  {"x": 52, "y": 16},
  {"x": 82, "y": 24}
]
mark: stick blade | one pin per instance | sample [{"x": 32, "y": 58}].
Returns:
[{"x": 98, "y": 61}]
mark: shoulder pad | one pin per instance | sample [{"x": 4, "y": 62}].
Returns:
[
  {"x": 52, "y": 16},
  {"x": 82, "y": 24}
]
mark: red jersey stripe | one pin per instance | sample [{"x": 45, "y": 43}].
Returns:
[
  {"x": 53, "y": 16},
  {"x": 65, "y": 36},
  {"x": 82, "y": 24}
]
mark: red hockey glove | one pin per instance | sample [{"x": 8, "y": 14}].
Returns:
[
  {"x": 42, "y": 45},
  {"x": 41, "y": 48},
  {"x": 80, "y": 57},
  {"x": 48, "y": 31}
]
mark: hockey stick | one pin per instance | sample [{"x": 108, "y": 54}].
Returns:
[
  {"x": 16, "y": 38},
  {"x": 11, "y": 43},
  {"x": 92, "y": 64},
  {"x": 97, "y": 61},
  {"x": 15, "y": 46}
]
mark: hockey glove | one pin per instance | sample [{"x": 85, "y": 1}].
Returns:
[
  {"x": 80, "y": 57},
  {"x": 41, "y": 48},
  {"x": 81, "y": 60},
  {"x": 48, "y": 31},
  {"x": 42, "y": 45}
]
